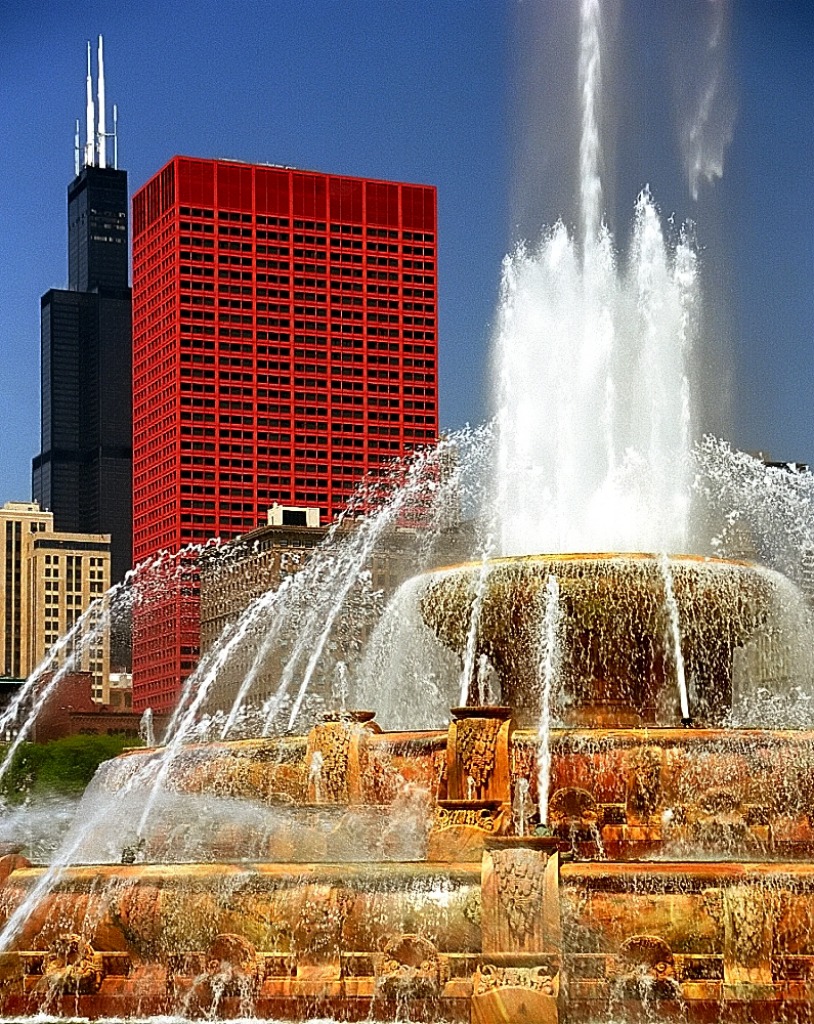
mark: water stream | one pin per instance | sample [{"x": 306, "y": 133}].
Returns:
[
  {"x": 674, "y": 637},
  {"x": 593, "y": 357},
  {"x": 470, "y": 672},
  {"x": 548, "y": 668}
]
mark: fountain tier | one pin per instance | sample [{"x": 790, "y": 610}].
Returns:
[{"x": 631, "y": 627}]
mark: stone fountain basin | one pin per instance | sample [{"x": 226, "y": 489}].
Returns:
[
  {"x": 616, "y": 645},
  {"x": 728, "y": 940},
  {"x": 669, "y": 793},
  {"x": 275, "y": 770},
  {"x": 155, "y": 910},
  {"x": 714, "y": 924}
]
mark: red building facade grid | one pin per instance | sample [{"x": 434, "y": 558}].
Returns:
[{"x": 284, "y": 346}]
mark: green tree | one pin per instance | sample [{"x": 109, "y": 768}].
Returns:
[{"x": 63, "y": 766}]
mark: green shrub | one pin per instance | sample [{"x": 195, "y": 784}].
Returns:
[{"x": 63, "y": 766}]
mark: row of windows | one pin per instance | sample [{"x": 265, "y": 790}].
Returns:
[{"x": 227, "y": 216}]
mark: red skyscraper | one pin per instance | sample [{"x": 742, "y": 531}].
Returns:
[{"x": 284, "y": 345}]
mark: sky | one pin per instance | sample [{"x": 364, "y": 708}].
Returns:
[{"x": 473, "y": 96}]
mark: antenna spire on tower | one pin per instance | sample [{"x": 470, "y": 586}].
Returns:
[
  {"x": 94, "y": 152},
  {"x": 101, "y": 136},
  {"x": 115, "y": 137},
  {"x": 90, "y": 119}
]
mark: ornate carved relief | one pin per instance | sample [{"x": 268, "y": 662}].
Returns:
[
  {"x": 476, "y": 739},
  {"x": 520, "y": 878},
  {"x": 523, "y": 761},
  {"x": 331, "y": 740},
  {"x": 573, "y": 809},
  {"x": 484, "y": 818},
  {"x": 501, "y": 994},
  {"x": 643, "y": 791},
  {"x": 72, "y": 966},
  {"x": 645, "y": 967},
  {"x": 317, "y": 934},
  {"x": 410, "y": 968},
  {"x": 233, "y": 961},
  {"x": 538, "y": 979}
]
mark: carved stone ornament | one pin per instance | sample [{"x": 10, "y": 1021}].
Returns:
[
  {"x": 643, "y": 791},
  {"x": 476, "y": 741},
  {"x": 523, "y": 761},
  {"x": 233, "y": 961},
  {"x": 488, "y": 978},
  {"x": 648, "y": 954},
  {"x": 482, "y": 818},
  {"x": 72, "y": 966},
  {"x": 573, "y": 808},
  {"x": 645, "y": 967},
  {"x": 410, "y": 967},
  {"x": 521, "y": 882},
  {"x": 332, "y": 739}
]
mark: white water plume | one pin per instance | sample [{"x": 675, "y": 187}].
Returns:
[
  {"x": 593, "y": 418},
  {"x": 704, "y": 88},
  {"x": 593, "y": 366}
]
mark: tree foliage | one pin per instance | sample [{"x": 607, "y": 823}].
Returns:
[{"x": 62, "y": 766}]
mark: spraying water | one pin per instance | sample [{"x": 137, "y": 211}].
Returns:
[
  {"x": 674, "y": 636},
  {"x": 593, "y": 372},
  {"x": 65, "y": 656},
  {"x": 522, "y": 806},
  {"x": 549, "y": 664},
  {"x": 470, "y": 655}
]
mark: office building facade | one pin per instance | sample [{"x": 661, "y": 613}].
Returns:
[
  {"x": 69, "y": 574},
  {"x": 285, "y": 345}
]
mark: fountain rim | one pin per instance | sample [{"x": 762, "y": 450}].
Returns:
[{"x": 597, "y": 556}]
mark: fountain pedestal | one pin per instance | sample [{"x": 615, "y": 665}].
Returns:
[
  {"x": 334, "y": 753},
  {"x": 521, "y": 932}
]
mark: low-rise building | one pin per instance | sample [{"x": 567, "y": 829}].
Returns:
[{"x": 236, "y": 574}]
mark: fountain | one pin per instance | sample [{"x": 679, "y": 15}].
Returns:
[
  {"x": 369, "y": 874},
  {"x": 612, "y": 834}
]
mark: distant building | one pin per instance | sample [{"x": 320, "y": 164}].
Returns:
[
  {"x": 83, "y": 472},
  {"x": 70, "y": 710},
  {"x": 18, "y": 520},
  {"x": 233, "y": 576},
  {"x": 284, "y": 346},
  {"x": 120, "y": 695},
  {"x": 68, "y": 572},
  {"x": 49, "y": 580}
]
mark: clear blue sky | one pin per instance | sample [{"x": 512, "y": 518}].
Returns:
[{"x": 423, "y": 90}]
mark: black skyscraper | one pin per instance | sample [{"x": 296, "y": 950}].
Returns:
[{"x": 83, "y": 473}]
